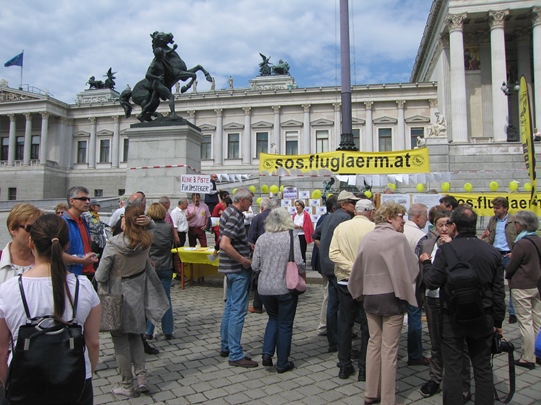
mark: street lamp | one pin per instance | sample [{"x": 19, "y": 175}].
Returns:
[{"x": 509, "y": 90}]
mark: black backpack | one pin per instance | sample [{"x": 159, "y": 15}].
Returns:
[{"x": 462, "y": 291}]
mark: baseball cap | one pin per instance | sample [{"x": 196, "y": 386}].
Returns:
[
  {"x": 95, "y": 202},
  {"x": 347, "y": 195},
  {"x": 364, "y": 205}
]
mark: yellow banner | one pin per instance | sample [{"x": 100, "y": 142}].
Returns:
[
  {"x": 344, "y": 162},
  {"x": 482, "y": 203},
  {"x": 526, "y": 136}
]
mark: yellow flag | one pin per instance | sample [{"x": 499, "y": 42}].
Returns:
[{"x": 526, "y": 137}]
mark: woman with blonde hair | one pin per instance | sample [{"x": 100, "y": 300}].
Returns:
[
  {"x": 160, "y": 254},
  {"x": 125, "y": 269},
  {"x": 50, "y": 290},
  {"x": 383, "y": 279},
  {"x": 17, "y": 257}
]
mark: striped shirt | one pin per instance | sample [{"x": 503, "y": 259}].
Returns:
[{"x": 232, "y": 226}]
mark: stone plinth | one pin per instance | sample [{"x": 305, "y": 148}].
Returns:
[
  {"x": 156, "y": 152},
  {"x": 275, "y": 82},
  {"x": 96, "y": 96}
]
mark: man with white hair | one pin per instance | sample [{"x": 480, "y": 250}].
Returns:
[{"x": 345, "y": 243}]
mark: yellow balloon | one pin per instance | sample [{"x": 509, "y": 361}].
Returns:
[
  {"x": 493, "y": 185},
  {"x": 445, "y": 186},
  {"x": 392, "y": 186},
  {"x": 265, "y": 188},
  {"x": 527, "y": 186},
  {"x": 258, "y": 201},
  {"x": 420, "y": 187},
  {"x": 513, "y": 185},
  {"x": 234, "y": 191},
  {"x": 282, "y": 188},
  {"x": 274, "y": 189},
  {"x": 368, "y": 194},
  {"x": 316, "y": 194},
  {"x": 252, "y": 189},
  {"x": 468, "y": 187}
]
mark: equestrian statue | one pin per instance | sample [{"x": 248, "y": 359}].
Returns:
[{"x": 166, "y": 69}]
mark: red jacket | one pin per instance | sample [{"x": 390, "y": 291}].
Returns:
[{"x": 307, "y": 226}]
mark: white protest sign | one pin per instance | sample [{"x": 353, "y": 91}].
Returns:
[{"x": 195, "y": 183}]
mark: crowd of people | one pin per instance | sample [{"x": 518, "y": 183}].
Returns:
[{"x": 363, "y": 283}]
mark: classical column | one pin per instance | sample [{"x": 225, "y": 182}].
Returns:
[
  {"x": 219, "y": 137},
  {"x": 191, "y": 116},
  {"x": 305, "y": 148},
  {"x": 43, "y": 138},
  {"x": 12, "y": 139},
  {"x": 400, "y": 133},
  {"x": 276, "y": 129},
  {"x": 500, "y": 108},
  {"x": 247, "y": 137},
  {"x": 536, "y": 38},
  {"x": 92, "y": 144},
  {"x": 66, "y": 147},
  {"x": 368, "y": 139},
  {"x": 27, "y": 139},
  {"x": 115, "y": 148},
  {"x": 459, "y": 113},
  {"x": 483, "y": 38},
  {"x": 444, "y": 88},
  {"x": 337, "y": 125}
]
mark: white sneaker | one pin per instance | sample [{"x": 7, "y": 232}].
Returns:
[
  {"x": 120, "y": 391},
  {"x": 142, "y": 384}
]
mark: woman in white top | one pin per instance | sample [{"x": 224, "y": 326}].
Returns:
[
  {"x": 47, "y": 285},
  {"x": 304, "y": 228}
]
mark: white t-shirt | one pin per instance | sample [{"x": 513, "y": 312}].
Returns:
[{"x": 39, "y": 296}]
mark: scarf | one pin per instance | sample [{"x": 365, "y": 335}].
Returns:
[{"x": 524, "y": 234}]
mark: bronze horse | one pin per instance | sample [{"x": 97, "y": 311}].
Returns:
[{"x": 175, "y": 70}]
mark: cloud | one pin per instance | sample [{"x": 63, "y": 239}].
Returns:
[{"x": 66, "y": 42}]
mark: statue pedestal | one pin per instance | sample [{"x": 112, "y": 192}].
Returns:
[
  {"x": 97, "y": 96},
  {"x": 275, "y": 82},
  {"x": 159, "y": 155}
]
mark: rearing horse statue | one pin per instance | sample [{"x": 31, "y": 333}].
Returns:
[{"x": 173, "y": 68}]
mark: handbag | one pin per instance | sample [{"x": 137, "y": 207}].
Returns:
[
  {"x": 48, "y": 364},
  {"x": 294, "y": 281},
  {"x": 111, "y": 311}
]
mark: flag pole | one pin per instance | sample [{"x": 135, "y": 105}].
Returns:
[{"x": 21, "y": 85}]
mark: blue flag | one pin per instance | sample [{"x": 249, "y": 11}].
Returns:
[{"x": 15, "y": 61}]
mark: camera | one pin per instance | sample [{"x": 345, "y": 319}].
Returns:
[{"x": 500, "y": 346}]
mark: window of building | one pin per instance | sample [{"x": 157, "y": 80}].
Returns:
[
  {"x": 81, "y": 152},
  {"x": 292, "y": 143},
  {"x": 104, "y": 150},
  {"x": 126, "y": 147},
  {"x": 322, "y": 141},
  {"x": 121, "y": 191},
  {"x": 415, "y": 132},
  {"x": 385, "y": 139},
  {"x": 34, "y": 150},
  {"x": 357, "y": 138},
  {"x": 19, "y": 148},
  {"x": 261, "y": 143},
  {"x": 12, "y": 193},
  {"x": 206, "y": 147},
  {"x": 98, "y": 192},
  {"x": 5, "y": 149},
  {"x": 233, "y": 146}
]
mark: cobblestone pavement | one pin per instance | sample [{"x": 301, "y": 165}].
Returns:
[{"x": 189, "y": 369}]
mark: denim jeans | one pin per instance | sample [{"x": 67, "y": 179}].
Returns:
[
  {"x": 415, "y": 333},
  {"x": 236, "y": 305},
  {"x": 165, "y": 277},
  {"x": 511, "y": 308},
  {"x": 279, "y": 331},
  {"x": 332, "y": 313}
]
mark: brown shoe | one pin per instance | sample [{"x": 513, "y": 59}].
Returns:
[
  {"x": 255, "y": 310},
  {"x": 423, "y": 361},
  {"x": 244, "y": 362}
]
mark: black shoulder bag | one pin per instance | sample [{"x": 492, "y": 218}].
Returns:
[{"x": 48, "y": 364}]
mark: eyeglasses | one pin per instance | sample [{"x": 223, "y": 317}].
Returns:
[
  {"x": 27, "y": 228},
  {"x": 60, "y": 213},
  {"x": 251, "y": 200},
  {"x": 400, "y": 215},
  {"x": 81, "y": 198}
]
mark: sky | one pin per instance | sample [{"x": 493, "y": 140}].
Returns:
[{"x": 67, "y": 41}]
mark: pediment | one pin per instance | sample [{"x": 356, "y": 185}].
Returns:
[
  {"x": 81, "y": 134},
  {"x": 417, "y": 119},
  {"x": 322, "y": 122},
  {"x": 233, "y": 125},
  {"x": 262, "y": 124},
  {"x": 8, "y": 95},
  {"x": 291, "y": 123},
  {"x": 104, "y": 132},
  {"x": 207, "y": 127},
  {"x": 385, "y": 120},
  {"x": 358, "y": 121}
]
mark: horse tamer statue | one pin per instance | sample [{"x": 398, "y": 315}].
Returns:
[{"x": 166, "y": 69}]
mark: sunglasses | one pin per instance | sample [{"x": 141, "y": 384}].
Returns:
[
  {"x": 81, "y": 198},
  {"x": 27, "y": 228}
]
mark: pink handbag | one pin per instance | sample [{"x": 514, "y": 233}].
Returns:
[{"x": 295, "y": 282}]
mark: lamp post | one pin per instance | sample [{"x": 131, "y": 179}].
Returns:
[{"x": 509, "y": 90}]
